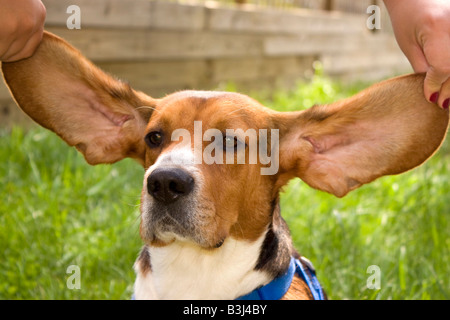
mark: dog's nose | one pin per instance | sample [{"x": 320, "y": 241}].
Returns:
[{"x": 168, "y": 185}]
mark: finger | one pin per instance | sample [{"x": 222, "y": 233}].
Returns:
[
  {"x": 444, "y": 96},
  {"x": 7, "y": 43},
  {"x": 4, "y": 49},
  {"x": 434, "y": 81},
  {"x": 439, "y": 72},
  {"x": 17, "y": 43},
  {"x": 417, "y": 59},
  {"x": 27, "y": 49},
  {"x": 14, "y": 48}
]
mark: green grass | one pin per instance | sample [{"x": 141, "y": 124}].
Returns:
[{"x": 57, "y": 211}]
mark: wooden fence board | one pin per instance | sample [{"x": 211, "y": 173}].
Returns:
[
  {"x": 128, "y": 14},
  {"x": 118, "y": 44},
  {"x": 280, "y": 22}
]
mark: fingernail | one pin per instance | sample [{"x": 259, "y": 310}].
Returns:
[
  {"x": 446, "y": 104},
  {"x": 434, "y": 97}
]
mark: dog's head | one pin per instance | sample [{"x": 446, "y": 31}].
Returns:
[
  {"x": 203, "y": 179},
  {"x": 215, "y": 161}
]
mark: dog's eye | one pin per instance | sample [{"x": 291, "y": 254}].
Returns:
[
  {"x": 230, "y": 143},
  {"x": 154, "y": 139}
]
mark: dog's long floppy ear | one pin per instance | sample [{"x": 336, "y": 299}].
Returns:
[
  {"x": 62, "y": 91},
  {"x": 387, "y": 129}
]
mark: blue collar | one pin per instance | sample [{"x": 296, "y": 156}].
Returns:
[{"x": 276, "y": 289}]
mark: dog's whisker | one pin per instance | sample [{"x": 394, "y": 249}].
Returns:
[
  {"x": 245, "y": 106},
  {"x": 167, "y": 215},
  {"x": 147, "y": 107}
]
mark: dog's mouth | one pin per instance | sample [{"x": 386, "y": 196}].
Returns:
[
  {"x": 168, "y": 224},
  {"x": 163, "y": 224}
]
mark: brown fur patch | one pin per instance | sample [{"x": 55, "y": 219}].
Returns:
[
  {"x": 298, "y": 291},
  {"x": 143, "y": 261}
]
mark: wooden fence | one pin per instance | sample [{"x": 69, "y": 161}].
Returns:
[
  {"x": 351, "y": 6},
  {"x": 163, "y": 46}
]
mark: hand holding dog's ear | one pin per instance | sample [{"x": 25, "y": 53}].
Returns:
[
  {"x": 387, "y": 129},
  {"x": 422, "y": 29}
]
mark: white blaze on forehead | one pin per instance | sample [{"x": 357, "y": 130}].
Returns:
[
  {"x": 180, "y": 156},
  {"x": 202, "y": 94}
]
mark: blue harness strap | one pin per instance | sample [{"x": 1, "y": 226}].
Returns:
[
  {"x": 311, "y": 281},
  {"x": 278, "y": 287}
]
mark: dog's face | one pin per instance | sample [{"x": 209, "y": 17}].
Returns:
[
  {"x": 199, "y": 184},
  {"x": 186, "y": 195}
]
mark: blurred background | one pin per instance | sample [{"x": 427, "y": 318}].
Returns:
[{"x": 164, "y": 46}]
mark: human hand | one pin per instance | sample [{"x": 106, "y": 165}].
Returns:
[
  {"x": 422, "y": 29},
  {"x": 21, "y": 28}
]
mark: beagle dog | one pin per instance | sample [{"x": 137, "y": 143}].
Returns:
[{"x": 210, "y": 215}]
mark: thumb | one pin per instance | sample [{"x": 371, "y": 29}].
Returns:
[
  {"x": 438, "y": 72},
  {"x": 433, "y": 83},
  {"x": 420, "y": 64},
  {"x": 417, "y": 59}
]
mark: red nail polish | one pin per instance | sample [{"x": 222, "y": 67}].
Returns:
[
  {"x": 434, "y": 97},
  {"x": 446, "y": 104}
]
